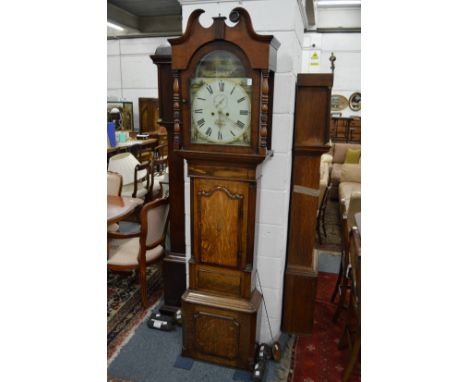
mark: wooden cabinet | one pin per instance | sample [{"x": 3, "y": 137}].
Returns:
[
  {"x": 311, "y": 133},
  {"x": 345, "y": 129},
  {"x": 149, "y": 114},
  {"x": 174, "y": 274},
  {"x": 355, "y": 130}
]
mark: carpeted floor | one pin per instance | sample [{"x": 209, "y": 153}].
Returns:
[
  {"x": 332, "y": 242},
  {"x": 124, "y": 308},
  {"x": 316, "y": 358},
  {"x": 139, "y": 354},
  {"x": 151, "y": 355}
]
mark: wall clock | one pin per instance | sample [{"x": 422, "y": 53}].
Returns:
[
  {"x": 223, "y": 79},
  {"x": 355, "y": 101}
]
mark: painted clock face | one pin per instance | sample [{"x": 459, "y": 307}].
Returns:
[{"x": 221, "y": 111}]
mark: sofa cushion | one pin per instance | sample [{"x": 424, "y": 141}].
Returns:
[
  {"x": 339, "y": 151},
  {"x": 346, "y": 189},
  {"x": 125, "y": 252},
  {"x": 352, "y": 156},
  {"x": 351, "y": 173}
]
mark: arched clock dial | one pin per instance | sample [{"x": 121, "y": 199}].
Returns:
[{"x": 221, "y": 111}]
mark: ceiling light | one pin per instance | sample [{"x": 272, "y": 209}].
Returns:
[
  {"x": 337, "y": 3},
  {"x": 114, "y": 26}
]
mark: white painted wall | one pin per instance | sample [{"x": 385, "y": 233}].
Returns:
[
  {"x": 347, "y": 50},
  {"x": 130, "y": 72}
]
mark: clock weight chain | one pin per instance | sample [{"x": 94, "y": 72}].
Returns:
[{"x": 275, "y": 347}]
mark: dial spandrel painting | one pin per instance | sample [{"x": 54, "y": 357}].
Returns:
[{"x": 220, "y": 95}]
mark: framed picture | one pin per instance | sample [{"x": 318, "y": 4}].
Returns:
[
  {"x": 121, "y": 113},
  {"x": 355, "y": 101},
  {"x": 338, "y": 102}
]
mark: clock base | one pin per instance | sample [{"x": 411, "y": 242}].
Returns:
[{"x": 220, "y": 329}]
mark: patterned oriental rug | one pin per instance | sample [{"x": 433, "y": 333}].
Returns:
[
  {"x": 124, "y": 308},
  {"x": 316, "y": 358}
]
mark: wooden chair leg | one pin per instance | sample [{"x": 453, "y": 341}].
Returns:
[
  {"x": 143, "y": 287},
  {"x": 324, "y": 209},
  {"x": 341, "y": 302},
  {"x": 355, "y": 350},
  {"x": 317, "y": 229},
  {"x": 338, "y": 280}
]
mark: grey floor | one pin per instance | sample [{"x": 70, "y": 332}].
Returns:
[
  {"x": 150, "y": 354},
  {"x": 329, "y": 262}
]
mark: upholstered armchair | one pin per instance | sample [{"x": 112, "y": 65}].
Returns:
[
  {"x": 114, "y": 188},
  {"x": 161, "y": 171},
  {"x": 349, "y": 191},
  {"x": 137, "y": 177},
  {"x": 114, "y": 183},
  {"x": 136, "y": 251},
  {"x": 339, "y": 153}
]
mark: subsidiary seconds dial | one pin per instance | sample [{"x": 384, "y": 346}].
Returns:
[{"x": 221, "y": 112}]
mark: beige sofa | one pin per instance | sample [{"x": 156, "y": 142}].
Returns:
[
  {"x": 338, "y": 155},
  {"x": 349, "y": 192}
]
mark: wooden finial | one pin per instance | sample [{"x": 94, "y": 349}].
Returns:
[{"x": 332, "y": 60}]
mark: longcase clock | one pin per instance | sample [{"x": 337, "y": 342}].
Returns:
[{"x": 223, "y": 88}]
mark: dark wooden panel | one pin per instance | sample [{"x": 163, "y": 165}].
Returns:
[
  {"x": 211, "y": 320},
  {"x": 174, "y": 279},
  {"x": 312, "y": 117},
  {"x": 311, "y": 111},
  {"x": 225, "y": 281},
  {"x": 300, "y": 292},
  {"x": 216, "y": 335},
  {"x": 219, "y": 282},
  {"x": 149, "y": 114}
]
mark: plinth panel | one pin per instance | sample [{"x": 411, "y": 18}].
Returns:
[
  {"x": 220, "y": 330},
  {"x": 216, "y": 335}
]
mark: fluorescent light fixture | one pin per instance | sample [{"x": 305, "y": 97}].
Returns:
[
  {"x": 337, "y": 3},
  {"x": 114, "y": 26}
]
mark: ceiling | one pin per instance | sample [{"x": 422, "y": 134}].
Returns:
[
  {"x": 164, "y": 17},
  {"x": 149, "y": 7},
  {"x": 158, "y": 17}
]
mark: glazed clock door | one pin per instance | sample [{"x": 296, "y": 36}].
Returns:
[{"x": 221, "y": 101}]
